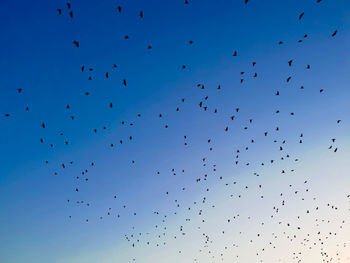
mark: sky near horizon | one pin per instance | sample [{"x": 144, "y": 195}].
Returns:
[{"x": 146, "y": 189}]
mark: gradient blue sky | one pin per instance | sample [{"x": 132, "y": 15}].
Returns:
[{"x": 37, "y": 55}]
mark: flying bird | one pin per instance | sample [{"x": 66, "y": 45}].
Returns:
[{"x": 301, "y": 15}]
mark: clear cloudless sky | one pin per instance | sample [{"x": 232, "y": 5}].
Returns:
[{"x": 38, "y": 56}]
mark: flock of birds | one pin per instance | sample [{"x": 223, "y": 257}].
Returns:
[{"x": 206, "y": 248}]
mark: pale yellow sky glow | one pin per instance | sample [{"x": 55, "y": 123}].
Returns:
[{"x": 311, "y": 225}]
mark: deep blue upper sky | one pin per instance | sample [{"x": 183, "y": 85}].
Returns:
[{"x": 38, "y": 56}]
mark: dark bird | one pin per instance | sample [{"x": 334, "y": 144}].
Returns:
[
  {"x": 59, "y": 11},
  {"x": 141, "y": 14},
  {"x": 76, "y": 43},
  {"x": 335, "y": 32},
  {"x": 301, "y": 15}
]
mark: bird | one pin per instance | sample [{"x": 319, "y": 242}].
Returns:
[
  {"x": 301, "y": 15},
  {"x": 76, "y": 43}
]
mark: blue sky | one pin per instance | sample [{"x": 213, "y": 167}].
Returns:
[{"x": 39, "y": 57}]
